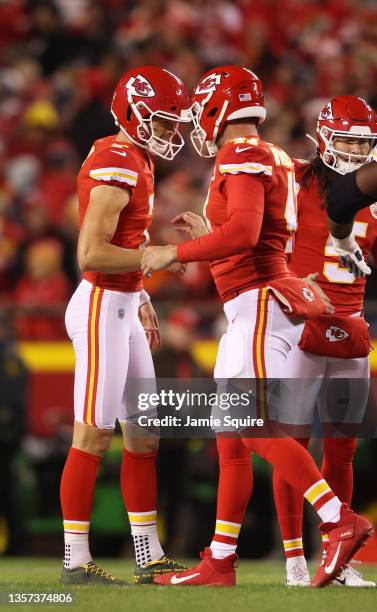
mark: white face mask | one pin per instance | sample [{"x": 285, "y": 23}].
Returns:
[
  {"x": 167, "y": 148},
  {"x": 204, "y": 148},
  {"x": 340, "y": 161}
]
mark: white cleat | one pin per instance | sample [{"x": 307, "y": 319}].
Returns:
[
  {"x": 349, "y": 577},
  {"x": 297, "y": 572}
]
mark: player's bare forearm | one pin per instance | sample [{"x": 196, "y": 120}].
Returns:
[
  {"x": 95, "y": 252},
  {"x": 110, "y": 259}
]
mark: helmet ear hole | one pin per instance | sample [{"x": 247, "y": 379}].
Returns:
[
  {"x": 129, "y": 113},
  {"x": 212, "y": 112}
]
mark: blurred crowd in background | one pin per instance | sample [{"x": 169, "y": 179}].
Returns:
[{"x": 59, "y": 63}]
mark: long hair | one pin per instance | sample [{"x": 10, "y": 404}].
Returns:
[{"x": 324, "y": 175}]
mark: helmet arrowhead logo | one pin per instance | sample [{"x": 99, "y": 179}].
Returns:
[
  {"x": 326, "y": 112},
  {"x": 208, "y": 84},
  {"x": 140, "y": 86}
]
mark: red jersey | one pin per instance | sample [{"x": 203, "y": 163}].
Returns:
[
  {"x": 313, "y": 251},
  {"x": 122, "y": 165},
  {"x": 265, "y": 199}
]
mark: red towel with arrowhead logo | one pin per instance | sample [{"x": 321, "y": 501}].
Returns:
[
  {"x": 336, "y": 336},
  {"x": 297, "y": 298}
]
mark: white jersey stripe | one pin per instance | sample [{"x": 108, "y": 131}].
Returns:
[
  {"x": 248, "y": 168},
  {"x": 116, "y": 169},
  {"x": 122, "y": 175}
]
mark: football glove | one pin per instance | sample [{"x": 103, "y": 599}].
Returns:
[{"x": 351, "y": 256}]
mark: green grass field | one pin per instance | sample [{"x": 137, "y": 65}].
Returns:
[{"x": 259, "y": 589}]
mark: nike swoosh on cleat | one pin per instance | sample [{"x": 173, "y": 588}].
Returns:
[
  {"x": 239, "y": 150},
  {"x": 119, "y": 153},
  {"x": 343, "y": 582},
  {"x": 330, "y": 568},
  {"x": 176, "y": 580}
]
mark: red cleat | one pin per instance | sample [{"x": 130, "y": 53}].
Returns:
[
  {"x": 209, "y": 572},
  {"x": 345, "y": 538}
]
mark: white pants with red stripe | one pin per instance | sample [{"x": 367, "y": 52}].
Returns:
[
  {"x": 257, "y": 344},
  {"x": 112, "y": 355},
  {"x": 340, "y": 388},
  {"x": 259, "y": 337}
]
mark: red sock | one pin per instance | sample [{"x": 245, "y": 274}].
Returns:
[
  {"x": 234, "y": 488},
  {"x": 289, "y": 506},
  {"x": 76, "y": 494},
  {"x": 337, "y": 469},
  {"x": 139, "y": 490},
  {"x": 77, "y": 485},
  {"x": 139, "y": 481},
  {"x": 294, "y": 463}
]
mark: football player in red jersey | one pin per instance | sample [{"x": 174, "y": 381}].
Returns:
[
  {"x": 107, "y": 313},
  {"x": 333, "y": 349},
  {"x": 251, "y": 213}
]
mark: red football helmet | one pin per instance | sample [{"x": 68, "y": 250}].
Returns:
[
  {"x": 346, "y": 117},
  {"x": 146, "y": 93},
  {"x": 223, "y": 94}
]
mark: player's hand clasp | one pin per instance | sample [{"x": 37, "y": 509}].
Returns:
[{"x": 157, "y": 258}]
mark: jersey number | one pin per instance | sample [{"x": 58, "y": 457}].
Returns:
[
  {"x": 291, "y": 203},
  {"x": 334, "y": 272},
  {"x": 290, "y": 213}
]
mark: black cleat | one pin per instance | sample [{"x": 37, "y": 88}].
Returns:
[
  {"x": 144, "y": 574},
  {"x": 89, "y": 573}
]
